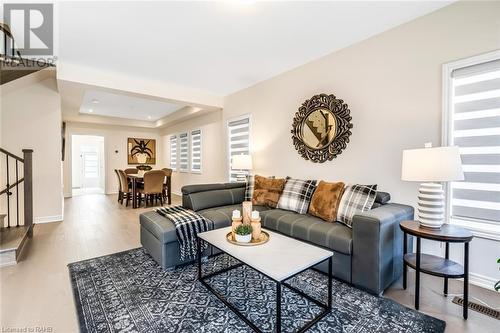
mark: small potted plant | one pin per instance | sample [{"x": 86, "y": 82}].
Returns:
[{"x": 243, "y": 233}]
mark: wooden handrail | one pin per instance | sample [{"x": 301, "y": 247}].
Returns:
[
  {"x": 11, "y": 155},
  {"x": 11, "y": 186}
]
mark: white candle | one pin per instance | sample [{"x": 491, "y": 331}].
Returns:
[
  {"x": 255, "y": 215},
  {"x": 236, "y": 214}
]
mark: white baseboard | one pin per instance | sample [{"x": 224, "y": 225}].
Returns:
[
  {"x": 48, "y": 219},
  {"x": 482, "y": 281},
  {"x": 111, "y": 192},
  {"x": 177, "y": 193}
]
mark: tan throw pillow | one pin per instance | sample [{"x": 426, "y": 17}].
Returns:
[
  {"x": 325, "y": 200},
  {"x": 267, "y": 191}
]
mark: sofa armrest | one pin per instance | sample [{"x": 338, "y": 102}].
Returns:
[
  {"x": 203, "y": 196},
  {"x": 378, "y": 246}
]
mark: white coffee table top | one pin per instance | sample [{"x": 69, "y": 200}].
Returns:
[{"x": 280, "y": 258}]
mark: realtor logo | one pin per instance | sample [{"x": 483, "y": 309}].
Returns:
[{"x": 32, "y": 25}]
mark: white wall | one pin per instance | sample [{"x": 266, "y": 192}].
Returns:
[
  {"x": 115, "y": 139},
  {"x": 213, "y": 143},
  {"x": 392, "y": 84},
  {"x": 31, "y": 118}
]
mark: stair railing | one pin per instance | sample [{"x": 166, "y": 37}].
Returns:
[
  {"x": 8, "y": 40},
  {"x": 11, "y": 186}
]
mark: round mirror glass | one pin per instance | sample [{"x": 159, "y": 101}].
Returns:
[{"x": 319, "y": 129}]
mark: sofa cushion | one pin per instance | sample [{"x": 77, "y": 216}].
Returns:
[
  {"x": 356, "y": 199},
  {"x": 216, "y": 198},
  {"x": 335, "y": 236},
  {"x": 221, "y": 216},
  {"x": 325, "y": 200},
  {"x": 267, "y": 191},
  {"x": 297, "y": 195}
]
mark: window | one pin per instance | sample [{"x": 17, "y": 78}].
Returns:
[
  {"x": 196, "y": 150},
  {"x": 238, "y": 140},
  {"x": 472, "y": 122},
  {"x": 173, "y": 152},
  {"x": 184, "y": 155}
]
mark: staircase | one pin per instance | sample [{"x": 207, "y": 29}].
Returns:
[
  {"x": 12, "y": 65},
  {"x": 16, "y": 197}
]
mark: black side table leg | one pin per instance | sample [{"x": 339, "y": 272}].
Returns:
[
  {"x": 198, "y": 250},
  {"x": 466, "y": 280},
  {"x": 405, "y": 251},
  {"x": 447, "y": 256},
  {"x": 417, "y": 276},
  {"x": 278, "y": 307}
]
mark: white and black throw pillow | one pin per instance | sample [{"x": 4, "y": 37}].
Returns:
[
  {"x": 297, "y": 195},
  {"x": 356, "y": 199}
]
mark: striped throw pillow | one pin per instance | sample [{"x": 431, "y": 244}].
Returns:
[{"x": 356, "y": 199}]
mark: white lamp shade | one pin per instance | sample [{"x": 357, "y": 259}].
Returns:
[
  {"x": 242, "y": 162},
  {"x": 439, "y": 164}
]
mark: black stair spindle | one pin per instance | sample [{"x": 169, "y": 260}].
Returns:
[
  {"x": 8, "y": 192},
  {"x": 17, "y": 194}
]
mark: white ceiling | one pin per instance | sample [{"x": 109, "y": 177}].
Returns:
[
  {"x": 218, "y": 47},
  {"x": 108, "y": 104}
]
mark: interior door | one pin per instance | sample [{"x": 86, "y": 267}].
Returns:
[{"x": 91, "y": 169}]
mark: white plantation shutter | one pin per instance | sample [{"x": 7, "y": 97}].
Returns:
[
  {"x": 475, "y": 127},
  {"x": 184, "y": 155},
  {"x": 196, "y": 151},
  {"x": 239, "y": 142},
  {"x": 173, "y": 152}
]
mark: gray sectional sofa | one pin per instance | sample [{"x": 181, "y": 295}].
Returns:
[{"x": 369, "y": 255}]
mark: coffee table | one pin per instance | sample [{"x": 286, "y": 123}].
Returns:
[{"x": 280, "y": 259}]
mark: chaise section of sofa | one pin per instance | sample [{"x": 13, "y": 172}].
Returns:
[{"x": 369, "y": 255}]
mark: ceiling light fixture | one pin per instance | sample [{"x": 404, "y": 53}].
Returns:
[
  {"x": 149, "y": 117},
  {"x": 95, "y": 101},
  {"x": 90, "y": 110}
]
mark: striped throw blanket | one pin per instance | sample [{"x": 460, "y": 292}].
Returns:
[{"x": 187, "y": 224}]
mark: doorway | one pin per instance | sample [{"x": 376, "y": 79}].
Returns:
[{"x": 87, "y": 164}]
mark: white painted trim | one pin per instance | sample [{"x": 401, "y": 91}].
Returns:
[
  {"x": 48, "y": 219},
  {"x": 482, "y": 281},
  {"x": 67, "y": 195},
  {"x": 177, "y": 193},
  {"x": 447, "y": 111}
]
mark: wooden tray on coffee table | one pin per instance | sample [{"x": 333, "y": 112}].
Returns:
[{"x": 264, "y": 238}]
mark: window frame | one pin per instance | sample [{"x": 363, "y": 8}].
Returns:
[
  {"x": 479, "y": 228},
  {"x": 191, "y": 150},
  {"x": 228, "y": 141},
  {"x": 176, "y": 151},
  {"x": 180, "y": 169}
]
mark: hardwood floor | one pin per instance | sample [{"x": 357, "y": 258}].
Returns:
[{"x": 36, "y": 293}]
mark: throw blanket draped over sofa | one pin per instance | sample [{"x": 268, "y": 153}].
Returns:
[{"x": 369, "y": 255}]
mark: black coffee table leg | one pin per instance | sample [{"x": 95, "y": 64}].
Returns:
[
  {"x": 405, "y": 250},
  {"x": 466, "y": 280},
  {"x": 417, "y": 276},
  {"x": 447, "y": 256}
]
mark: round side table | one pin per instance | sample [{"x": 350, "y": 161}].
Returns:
[{"x": 434, "y": 265}]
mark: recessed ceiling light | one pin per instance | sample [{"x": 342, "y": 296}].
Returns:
[
  {"x": 95, "y": 101},
  {"x": 149, "y": 117},
  {"x": 90, "y": 110}
]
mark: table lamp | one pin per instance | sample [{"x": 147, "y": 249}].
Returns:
[
  {"x": 431, "y": 166},
  {"x": 242, "y": 163}
]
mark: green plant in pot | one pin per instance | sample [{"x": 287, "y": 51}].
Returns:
[
  {"x": 497, "y": 285},
  {"x": 243, "y": 233}
]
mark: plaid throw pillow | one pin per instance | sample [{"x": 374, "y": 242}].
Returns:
[
  {"x": 297, "y": 195},
  {"x": 356, "y": 199},
  {"x": 251, "y": 186}
]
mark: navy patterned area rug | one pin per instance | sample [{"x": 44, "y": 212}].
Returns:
[{"x": 129, "y": 292}]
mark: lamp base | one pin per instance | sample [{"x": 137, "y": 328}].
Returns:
[{"x": 430, "y": 212}]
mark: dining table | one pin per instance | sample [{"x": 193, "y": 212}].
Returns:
[{"x": 136, "y": 178}]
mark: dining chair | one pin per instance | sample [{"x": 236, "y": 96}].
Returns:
[
  {"x": 167, "y": 190},
  {"x": 120, "y": 191},
  {"x": 126, "y": 187},
  {"x": 131, "y": 171},
  {"x": 153, "y": 187}
]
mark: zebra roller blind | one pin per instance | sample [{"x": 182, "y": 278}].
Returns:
[
  {"x": 239, "y": 142},
  {"x": 173, "y": 152},
  {"x": 196, "y": 151},
  {"x": 475, "y": 128},
  {"x": 184, "y": 155}
]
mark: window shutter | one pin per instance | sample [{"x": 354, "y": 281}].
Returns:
[
  {"x": 184, "y": 156},
  {"x": 173, "y": 152},
  {"x": 196, "y": 151},
  {"x": 239, "y": 142},
  {"x": 475, "y": 128}
]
